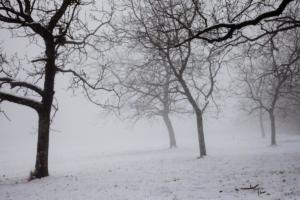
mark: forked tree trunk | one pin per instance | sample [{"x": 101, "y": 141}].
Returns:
[
  {"x": 200, "y": 132},
  {"x": 273, "y": 129},
  {"x": 199, "y": 119},
  {"x": 171, "y": 132},
  {"x": 261, "y": 123},
  {"x": 41, "y": 164}
]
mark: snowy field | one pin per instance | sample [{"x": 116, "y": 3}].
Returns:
[{"x": 158, "y": 174}]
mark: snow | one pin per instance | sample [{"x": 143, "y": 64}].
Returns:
[{"x": 164, "y": 174}]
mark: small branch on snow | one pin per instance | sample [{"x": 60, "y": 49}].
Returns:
[
  {"x": 250, "y": 187},
  {"x": 259, "y": 190}
]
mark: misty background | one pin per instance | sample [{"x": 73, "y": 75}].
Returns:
[{"x": 80, "y": 127}]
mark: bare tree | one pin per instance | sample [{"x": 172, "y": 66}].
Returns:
[
  {"x": 170, "y": 25},
  {"x": 150, "y": 90},
  {"x": 269, "y": 73},
  {"x": 66, "y": 36},
  {"x": 194, "y": 66}
]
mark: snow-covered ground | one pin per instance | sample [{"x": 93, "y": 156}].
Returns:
[{"x": 233, "y": 163}]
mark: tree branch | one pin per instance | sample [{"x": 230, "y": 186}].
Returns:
[
  {"x": 14, "y": 84},
  {"x": 231, "y": 28},
  {"x": 56, "y": 17},
  {"x": 20, "y": 100}
]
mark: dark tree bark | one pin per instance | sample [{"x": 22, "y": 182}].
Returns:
[
  {"x": 170, "y": 128},
  {"x": 273, "y": 128},
  {"x": 41, "y": 164},
  {"x": 200, "y": 132}
]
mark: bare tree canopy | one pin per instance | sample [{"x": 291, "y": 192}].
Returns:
[
  {"x": 219, "y": 21},
  {"x": 193, "y": 65},
  {"x": 270, "y": 75}
]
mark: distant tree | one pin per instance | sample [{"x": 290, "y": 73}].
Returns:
[
  {"x": 268, "y": 76},
  {"x": 150, "y": 90},
  {"x": 69, "y": 34},
  {"x": 261, "y": 123},
  {"x": 2, "y": 62}
]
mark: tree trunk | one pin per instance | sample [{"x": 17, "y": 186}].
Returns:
[
  {"x": 41, "y": 165},
  {"x": 273, "y": 129},
  {"x": 170, "y": 128},
  {"x": 261, "y": 123},
  {"x": 199, "y": 119},
  {"x": 200, "y": 132}
]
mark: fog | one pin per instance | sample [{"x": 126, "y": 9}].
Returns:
[
  {"x": 82, "y": 129},
  {"x": 80, "y": 126},
  {"x": 96, "y": 152}
]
